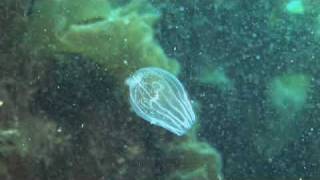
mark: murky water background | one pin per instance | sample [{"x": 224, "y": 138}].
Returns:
[{"x": 249, "y": 67}]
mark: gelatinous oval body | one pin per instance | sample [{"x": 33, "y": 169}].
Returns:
[{"x": 158, "y": 97}]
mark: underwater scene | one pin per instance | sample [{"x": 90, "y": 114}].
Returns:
[{"x": 159, "y": 90}]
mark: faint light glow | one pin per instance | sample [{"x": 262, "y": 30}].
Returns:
[
  {"x": 295, "y": 7},
  {"x": 175, "y": 48},
  {"x": 1, "y": 103},
  {"x": 59, "y": 130}
]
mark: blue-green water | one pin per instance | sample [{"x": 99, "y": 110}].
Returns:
[{"x": 250, "y": 69}]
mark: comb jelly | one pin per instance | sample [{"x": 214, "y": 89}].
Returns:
[{"x": 158, "y": 97}]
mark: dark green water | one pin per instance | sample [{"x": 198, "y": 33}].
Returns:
[{"x": 249, "y": 67}]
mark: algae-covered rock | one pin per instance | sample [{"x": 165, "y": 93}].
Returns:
[
  {"x": 11, "y": 142},
  {"x": 23, "y": 149},
  {"x": 288, "y": 98},
  {"x": 118, "y": 37},
  {"x": 196, "y": 160},
  {"x": 191, "y": 159},
  {"x": 288, "y": 93}
]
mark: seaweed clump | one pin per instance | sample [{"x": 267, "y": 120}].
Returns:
[
  {"x": 29, "y": 140},
  {"x": 190, "y": 159},
  {"x": 119, "y": 37}
]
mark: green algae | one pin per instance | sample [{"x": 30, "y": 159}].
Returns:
[
  {"x": 190, "y": 158},
  {"x": 289, "y": 92},
  {"x": 119, "y": 38}
]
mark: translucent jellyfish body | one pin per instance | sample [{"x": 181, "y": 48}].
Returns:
[{"x": 158, "y": 97}]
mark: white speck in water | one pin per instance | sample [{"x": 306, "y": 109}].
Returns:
[
  {"x": 125, "y": 62},
  {"x": 175, "y": 48},
  {"x": 181, "y": 8},
  {"x": 59, "y": 130},
  {"x": 1, "y": 103}
]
